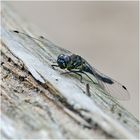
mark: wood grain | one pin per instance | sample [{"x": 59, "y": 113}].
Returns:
[{"x": 39, "y": 102}]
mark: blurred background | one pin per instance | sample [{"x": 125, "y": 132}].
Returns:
[{"x": 104, "y": 33}]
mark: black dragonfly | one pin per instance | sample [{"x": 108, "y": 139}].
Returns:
[{"x": 78, "y": 65}]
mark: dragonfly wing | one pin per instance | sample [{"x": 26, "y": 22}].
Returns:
[{"x": 114, "y": 89}]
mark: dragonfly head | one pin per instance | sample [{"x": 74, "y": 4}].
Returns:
[{"x": 63, "y": 61}]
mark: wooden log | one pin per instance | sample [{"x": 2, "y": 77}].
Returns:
[{"x": 39, "y": 102}]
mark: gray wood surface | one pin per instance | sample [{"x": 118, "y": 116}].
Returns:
[{"x": 39, "y": 102}]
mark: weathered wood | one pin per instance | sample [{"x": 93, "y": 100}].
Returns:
[{"x": 39, "y": 102}]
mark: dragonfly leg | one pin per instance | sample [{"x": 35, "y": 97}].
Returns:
[
  {"x": 53, "y": 66},
  {"x": 75, "y": 72},
  {"x": 88, "y": 77},
  {"x": 67, "y": 72}
]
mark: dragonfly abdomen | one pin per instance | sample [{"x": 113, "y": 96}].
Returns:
[{"x": 104, "y": 79}]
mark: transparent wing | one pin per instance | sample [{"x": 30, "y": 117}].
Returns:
[{"x": 115, "y": 89}]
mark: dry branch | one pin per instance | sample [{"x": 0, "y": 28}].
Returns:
[{"x": 39, "y": 102}]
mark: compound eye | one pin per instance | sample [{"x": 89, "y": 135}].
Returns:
[
  {"x": 66, "y": 59},
  {"x": 61, "y": 56},
  {"x": 61, "y": 61}
]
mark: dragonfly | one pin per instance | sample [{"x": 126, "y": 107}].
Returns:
[{"x": 78, "y": 65}]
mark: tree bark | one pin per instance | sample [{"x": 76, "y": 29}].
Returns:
[{"x": 38, "y": 102}]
